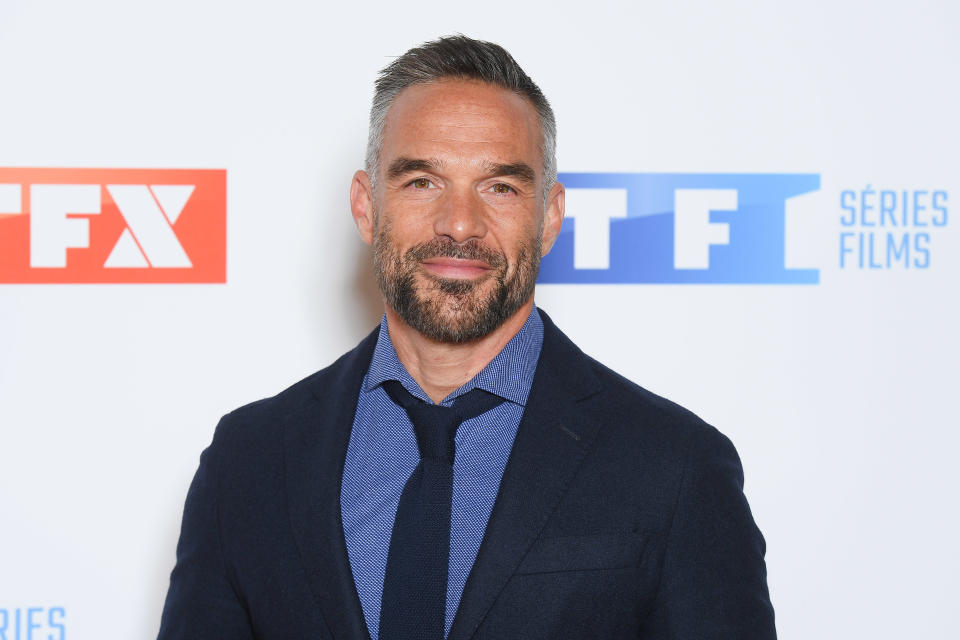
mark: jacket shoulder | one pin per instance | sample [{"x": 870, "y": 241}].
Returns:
[
  {"x": 635, "y": 414},
  {"x": 263, "y": 418},
  {"x": 638, "y": 419},
  {"x": 630, "y": 397}
]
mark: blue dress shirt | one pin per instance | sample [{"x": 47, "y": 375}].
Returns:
[{"x": 383, "y": 453}]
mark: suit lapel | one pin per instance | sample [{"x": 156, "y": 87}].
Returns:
[
  {"x": 315, "y": 445},
  {"x": 551, "y": 441}
]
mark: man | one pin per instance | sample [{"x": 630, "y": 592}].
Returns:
[{"x": 466, "y": 471}]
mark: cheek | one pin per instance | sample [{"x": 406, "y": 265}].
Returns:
[
  {"x": 519, "y": 238},
  {"x": 391, "y": 234},
  {"x": 408, "y": 225}
]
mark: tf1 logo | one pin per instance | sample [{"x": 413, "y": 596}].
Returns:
[
  {"x": 113, "y": 225},
  {"x": 676, "y": 228}
]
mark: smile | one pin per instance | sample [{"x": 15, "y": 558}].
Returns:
[{"x": 456, "y": 268}]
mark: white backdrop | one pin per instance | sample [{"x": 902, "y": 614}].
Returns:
[{"x": 839, "y": 396}]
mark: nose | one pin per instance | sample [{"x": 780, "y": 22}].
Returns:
[{"x": 461, "y": 216}]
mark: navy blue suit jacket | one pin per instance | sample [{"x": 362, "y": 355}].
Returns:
[{"x": 620, "y": 515}]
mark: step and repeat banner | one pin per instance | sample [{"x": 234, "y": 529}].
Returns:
[{"x": 761, "y": 226}]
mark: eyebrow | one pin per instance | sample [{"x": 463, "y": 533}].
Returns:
[
  {"x": 402, "y": 166},
  {"x": 520, "y": 170}
]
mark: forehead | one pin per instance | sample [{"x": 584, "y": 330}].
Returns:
[{"x": 461, "y": 121}]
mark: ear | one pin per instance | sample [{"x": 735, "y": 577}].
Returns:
[
  {"x": 553, "y": 217},
  {"x": 361, "y": 205}
]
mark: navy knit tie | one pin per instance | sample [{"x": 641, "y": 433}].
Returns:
[{"x": 415, "y": 585}]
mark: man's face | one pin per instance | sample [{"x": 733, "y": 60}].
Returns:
[{"x": 458, "y": 215}]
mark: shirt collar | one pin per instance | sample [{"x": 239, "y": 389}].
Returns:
[{"x": 509, "y": 375}]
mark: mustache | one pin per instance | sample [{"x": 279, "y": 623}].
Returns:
[{"x": 446, "y": 248}]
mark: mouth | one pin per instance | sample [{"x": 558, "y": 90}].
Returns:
[{"x": 456, "y": 268}]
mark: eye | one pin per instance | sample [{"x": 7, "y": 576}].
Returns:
[
  {"x": 421, "y": 183},
  {"x": 502, "y": 188}
]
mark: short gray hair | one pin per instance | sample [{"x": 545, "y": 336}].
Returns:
[{"x": 464, "y": 58}]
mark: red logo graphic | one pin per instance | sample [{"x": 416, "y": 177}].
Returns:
[{"x": 113, "y": 225}]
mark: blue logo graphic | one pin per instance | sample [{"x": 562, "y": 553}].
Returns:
[
  {"x": 33, "y": 623},
  {"x": 676, "y": 228}
]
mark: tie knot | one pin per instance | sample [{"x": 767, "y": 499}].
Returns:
[{"x": 435, "y": 425}]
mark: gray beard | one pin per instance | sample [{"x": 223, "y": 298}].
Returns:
[{"x": 448, "y": 309}]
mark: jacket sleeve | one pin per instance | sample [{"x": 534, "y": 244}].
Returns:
[
  {"x": 202, "y": 603},
  {"x": 713, "y": 581}
]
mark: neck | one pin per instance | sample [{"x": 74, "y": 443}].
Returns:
[{"x": 442, "y": 367}]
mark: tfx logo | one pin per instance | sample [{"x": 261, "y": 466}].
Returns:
[
  {"x": 112, "y": 225},
  {"x": 676, "y": 228}
]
